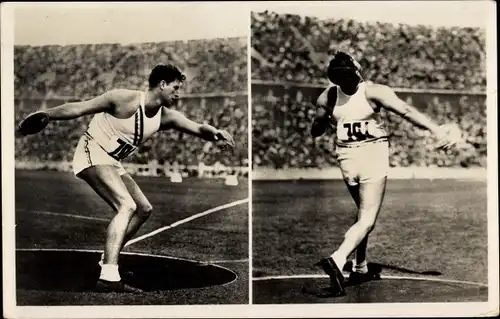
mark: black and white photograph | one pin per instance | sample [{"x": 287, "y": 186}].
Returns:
[
  {"x": 131, "y": 155},
  {"x": 370, "y": 153},
  {"x": 260, "y": 159}
]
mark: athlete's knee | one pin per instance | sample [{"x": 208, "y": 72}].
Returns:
[
  {"x": 127, "y": 206},
  {"x": 145, "y": 210},
  {"x": 369, "y": 227},
  {"x": 368, "y": 224}
]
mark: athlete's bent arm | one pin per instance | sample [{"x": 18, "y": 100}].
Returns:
[
  {"x": 72, "y": 110},
  {"x": 320, "y": 123},
  {"x": 172, "y": 119},
  {"x": 321, "y": 119}
]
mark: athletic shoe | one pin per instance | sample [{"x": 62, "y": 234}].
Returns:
[
  {"x": 356, "y": 278},
  {"x": 115, "y": 286},
  {"x": 336, "y": 278},
  {"x": 127, "y": 274}
]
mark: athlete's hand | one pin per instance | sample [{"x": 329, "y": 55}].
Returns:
[
  {"x": 448, "y": 136},
  {"x": 223, "y": 135}
]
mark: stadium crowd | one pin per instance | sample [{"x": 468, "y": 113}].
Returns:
[
  {"x": 285, "y": 48},
  {"x": 47, "y": 76}
]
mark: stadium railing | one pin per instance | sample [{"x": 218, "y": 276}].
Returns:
[{"x": 152, "y": 169}]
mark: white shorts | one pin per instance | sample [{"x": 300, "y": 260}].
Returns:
[
  {"x": 365, "y": 163},
  {"x": 88, "y": 153}
]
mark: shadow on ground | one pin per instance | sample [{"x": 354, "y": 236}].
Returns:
[
  {"x": 312, "y": 290},
  {"x": 77, "y": 271}
]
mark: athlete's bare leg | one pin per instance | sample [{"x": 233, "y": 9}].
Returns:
[
  {"x": 143, "y": 211},
  {"x": 361, "y": 249},
  {"x": 107, "y": 183},
  {"x": 354, "y": 191},
  {"x": 370, "y": 200}
]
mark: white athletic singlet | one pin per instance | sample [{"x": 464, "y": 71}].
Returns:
[
  {"x": 121, "y": 137},
  {"x": 357, "y": 121}
]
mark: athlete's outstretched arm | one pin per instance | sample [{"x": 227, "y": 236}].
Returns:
[
  {"x": 72, "y": 110},
  {"x": 172, "y": 119},
  {"x": 386, "y": 97},
  {"x": 37, "y": 121}
]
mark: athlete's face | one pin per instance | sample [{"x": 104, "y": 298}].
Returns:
[
  {"x": 345, "y": 71},
  {"x": 169, "y": 92},
  {"x": 348, "y": 80}
]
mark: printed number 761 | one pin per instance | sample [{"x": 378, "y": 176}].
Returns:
[{"x": 357, "y": 131}]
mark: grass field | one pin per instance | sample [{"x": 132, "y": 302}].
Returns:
[
  {"x": 424, "y": 226},
  {"x": 58, "y": 211}
]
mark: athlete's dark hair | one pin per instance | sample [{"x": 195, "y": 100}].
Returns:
[
  {"x": 342, "y": 60},
  {"x": 341, "y": 63},
  {"x": 165, "y": 72}
]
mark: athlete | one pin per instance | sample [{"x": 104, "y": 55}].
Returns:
[
  {"x": 362, "y": 152},
  {"x": 123, "y": 119}
]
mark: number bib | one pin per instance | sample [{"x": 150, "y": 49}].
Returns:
[
  {"x": 358, "y": 131},
  {"x": 118, "y": 148}
]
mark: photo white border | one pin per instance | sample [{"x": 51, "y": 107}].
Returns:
[
  {"x": 230, "y": 311},
  {"x": 492, "y": 158},
  {"x": 8, "y": 176},
  {"x": 250, "y": 158}
]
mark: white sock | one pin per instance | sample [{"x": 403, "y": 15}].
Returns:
[
  {"x": 339, "y": 260},
  {"x": 110, "y": 272},
  {"x": 361, "y": 267}
]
